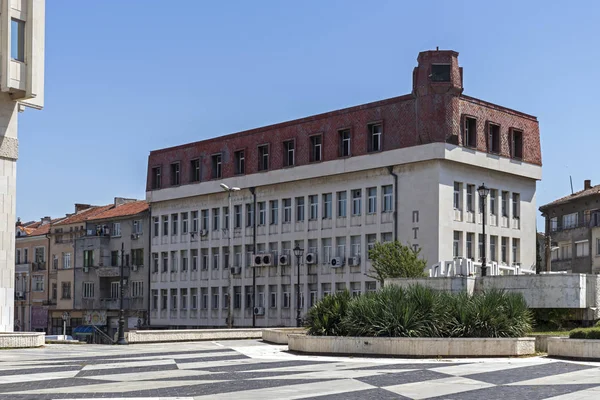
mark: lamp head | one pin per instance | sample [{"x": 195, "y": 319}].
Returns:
[
  {"x": 483, "y": 190},
  {"x": 224, "y": 187},
  {"x": 298, "y": 251}
]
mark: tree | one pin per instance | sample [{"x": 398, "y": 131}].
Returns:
[{"x": 394, "y": 260}]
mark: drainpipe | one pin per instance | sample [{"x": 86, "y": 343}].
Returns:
[
  {"x": 395, "y": 212},
  {"x": 253, "y": 191},
  {"x": 149, "y": 258}
]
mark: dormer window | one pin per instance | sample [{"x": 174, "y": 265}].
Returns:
[
  {"x": 470, "y": 132},
  {"x": 440, "y": 73}
]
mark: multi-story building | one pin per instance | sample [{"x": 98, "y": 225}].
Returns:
[
  {"x": 404, "y": 169},
  {"x": 572, "y": 231},
  {"x": 61, "y": 270},
  {"x": 115, "y": 238},
  {"x": 21, "y": 86},
  {"x": 31, "y": 275}
]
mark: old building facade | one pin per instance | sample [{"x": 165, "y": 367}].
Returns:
[{"x": 405, "y": 169}]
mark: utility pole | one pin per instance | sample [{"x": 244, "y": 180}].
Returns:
[{"x": 121, "y": 339}]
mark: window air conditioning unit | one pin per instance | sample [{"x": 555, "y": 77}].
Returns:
[
  {"x": 259, "y": 311},
  {"x": 311, "y": 258},
  {"x": 134, "y": 268},
  {"x": 135, "y": 236},
  {"x": 236, "y": 270},
  {"x": 354, "y": 261},
  {"x": 192, "y": 234},
  {"x": 266, "y": 260},
  {"x": 20, "y": 295},
  {"x": 257, "y": 260},
  {"x": 86, "y": 269},
  {"x": 203, "y": 232},
  {"x": 284, "y": 259},
  {"x": 91, "y": 232},
  {"x": 337, "y": 262}
]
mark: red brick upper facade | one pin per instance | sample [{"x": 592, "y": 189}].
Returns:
[{"x": 436, "y": 111}]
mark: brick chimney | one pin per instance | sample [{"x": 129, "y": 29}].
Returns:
[
  {"x": 587, "y": 184},
  {"x": 80, "y": 207},
  {"x": 122, "y": 200},
  {"x": 46, "y": 220}
]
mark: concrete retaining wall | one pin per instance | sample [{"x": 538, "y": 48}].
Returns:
[
  {"x": 21, "y": 339},
  {"x": 280, "y": 335},
  {"x": 585, "y": 349},
  {"x": 413, "y": 347},
  {"x": 189, "y": 335}
]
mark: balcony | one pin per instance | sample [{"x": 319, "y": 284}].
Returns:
[{"x": 39, "y": 266}]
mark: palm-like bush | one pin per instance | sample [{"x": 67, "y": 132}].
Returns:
[{"x": 325, "y": 317}]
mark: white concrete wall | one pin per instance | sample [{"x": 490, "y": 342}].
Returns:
[
  {"x": 188, "y": 335},
  {"x": 587, "y": 349}
]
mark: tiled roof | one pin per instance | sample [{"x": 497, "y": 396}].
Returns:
[
  {"x": 84, "y": 215},
  {"x": 594, "y": 190},
  {"x": 122, "y": 210},
  {"x": 44, "y": 229}
]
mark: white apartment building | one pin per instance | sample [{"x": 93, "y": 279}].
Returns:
[{"x": 334, "y": 185}]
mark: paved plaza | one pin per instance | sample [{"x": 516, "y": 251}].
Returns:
[{"x": 251, "y": 369}]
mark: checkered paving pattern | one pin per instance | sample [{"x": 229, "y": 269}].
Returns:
[{"x": 255, "y": 370}]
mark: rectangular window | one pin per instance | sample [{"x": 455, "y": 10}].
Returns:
[
  {"x": 494, "y": 138},
  {"x": 155, "y": 262},
  {"x": 38, "y": 283},
  {"x": 470, "y": 198},
  {"x": 226, "y": 218},
  {"x": 174, "y": 224},
  {"x": 440, "y": 72},
  {"x": 327, "y": 206},
  {"x": 184, "y": 223},
  {"x": 345, "y": 143},
  {"x": 262, "y": 213},
  {"x": 155, "y": 299},
  {"x": 114, "y": 258},
  {"x": 240, "y": 162},
  {"x": 175, "y": 174},
  {"x": 249, "y": 215},
  {"x": 215, "y": 221},
  {"x": 356, "y": 202},
  {"x": 286, "y": 296},
  {"x": 194, "y": 221},
  {"x": 173, "y": 299},
  {"x": 505, "y": 204},
  {"x": 457, "y": 196},
  {"x": 565, "y": 251},
  {"x": 493, "y": 201},
  {"x": 215, "y": 254},
  {"x": 88, "y": 258},
  {"x": 18, "y": 256},
  {"x": 183, "y": 295},
  {"x": 165, "y": 261},
  {"x": 137, "y": 289},
  {"x": 503, "y": 250},
  {"x": 287, "y": 211},
  {"x": 480, "y": 247},
  {"x": 470, "y": 245},
  {"x": 299, "y": 209},
  {"x": 517, "y": 144},
  {"x": 582, "y": 249},
  {"x": 570, "y": 221},
  {"x": 156, "y": 178},
  {"x": 274, "y": 207},
  {"x": 194, "y": 297},
  {"x": 66, "y": 290},
  {"x": 88, "y": 290},
  {"x": 371, "y": 200},
  {"x": 17, "y": 40},
  {"x": 156, "y": 224},
  {"x": 553, "y": 224},
  {"x": 116, "y": 229},
  {"x": 288, "y": 156},
  {"x": 216, "y": 166},
  {"x": 138, "y": 226},
  {"x": 204, "y": 220},
  {"x": 194, "y": 253},
  {"x": 263, "y": 157},
  {"x": 272, "y": 296},
  {"x": 315, "y": 148},
  {"x": 237, "y": 216},
  {"x": 184, "y": 260},
  {"x": 341, "y": 204},
  {"x": 515, "y": 250},
  {"x": 388, "y": 198},
  {"x": 165, "y": 222},
  {"x": 456, "y": 245},
  {"x": 470, "y": 132},
  {"x": 515, "y": 203},
  {"x": 493, "y": 240},
  {"x": 195, "y": 170},
  {"x": 375, "y": 136},
  {"x": 313, "y": 201}
]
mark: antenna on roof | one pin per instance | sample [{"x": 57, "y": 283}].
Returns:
[{"x": 571, "y": 178}]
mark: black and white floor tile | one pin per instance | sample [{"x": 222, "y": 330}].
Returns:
[{"x": 254, "y": 370}]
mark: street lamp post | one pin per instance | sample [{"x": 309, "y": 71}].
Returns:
[
  {"x": 230, "y": 249},
  {"x": 483, "y": 193},
  {"x": 65, "y": 317},
  {"x": 298, "y": 253},
  {"x": 121, "y": 340}
]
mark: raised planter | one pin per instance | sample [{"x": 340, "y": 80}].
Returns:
[
  {"x": 541, "y": 343},
  {"x": 582, "y": 349},
  {"x": 280, "y": 335},
  {"x": 190, "y": 335},
  {"x": 18, "y": 340},
  {"x": 413, "y": 347}
]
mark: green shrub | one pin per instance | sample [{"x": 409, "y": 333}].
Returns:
[
  {"x": 597, "y": 324},
  {"x": 585, "y": 333},
  {"x": 325, "y": 317}
]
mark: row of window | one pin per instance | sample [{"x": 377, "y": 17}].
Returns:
[
  {"x": 194, "y": 259},
  {"x": 117, "y": 259},
  {"x": 492, "y": 137},
  {"x": 115, "y": 231},
  {"x": 288, "y": 149},
  {"x": 286, "y": 214},
  {"x": 564, "y": 251},
  {"x": 37, "y": 283},
  {"x": 22, "y": 255},
  {"x": 498, "y": 247},
  {"x": 574, "y": 220},
  {"x": 194, "y": 298},
  {"x": 136, "y": 289},
  {"x": 496, "y": 205}
]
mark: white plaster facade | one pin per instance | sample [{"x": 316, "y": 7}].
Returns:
[
  {"x": 21, "y": 85},
  {"x": 426, "y": 217}
]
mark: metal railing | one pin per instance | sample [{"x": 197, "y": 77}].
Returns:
[{"x": 100, "y": 337}]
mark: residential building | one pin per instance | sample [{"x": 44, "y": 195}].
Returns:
[
  {"x": 572, "y": 231},
  {"x": 62, "y": 263},
  {"x": 405, "y": 168},
  {"x": 21, "y": 86},
  {"x": 117, "y": 238},
  {"x": 31, "y": 275}
]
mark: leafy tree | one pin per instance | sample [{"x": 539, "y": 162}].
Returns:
[{"x": 395, "y": 260}]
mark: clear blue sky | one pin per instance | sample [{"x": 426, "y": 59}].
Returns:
[{"x": 127, "y": 77}]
